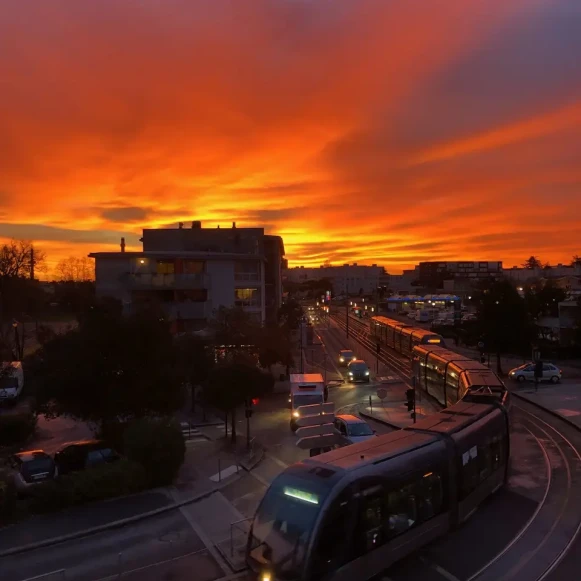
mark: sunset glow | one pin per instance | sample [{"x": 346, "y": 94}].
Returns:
[{"x": 359, "y": 130}]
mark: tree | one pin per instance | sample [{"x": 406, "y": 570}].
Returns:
[
  {"x": 75, "y": 269},
  {"x": 274, "y": 347},
  {"x": 231, "y": 385},
  {"x": 194, "y": 360},
  {"x": 74, "y": 297},
  {"x": 290, "y": 315},
  {"x": 576, "y": 260},
  {"x": 234, "y": 327},
  {"x": 544, "y": 301},
  {"x": 110, "y": 368},
  {"x": 19, "y": 258},
  {"x": 503, "y": 320},
  {"x": 532, "y": 262}
]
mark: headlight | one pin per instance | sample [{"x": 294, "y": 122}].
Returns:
[
  {"x": 341, "y": 359},
  {"x": 367, "y": 373},
  {"x": 350, "y": 373},
  {"x": 296, "y": 414},
  {"x": 265, "y": 577},
  {"x": 353, "y": 358}
]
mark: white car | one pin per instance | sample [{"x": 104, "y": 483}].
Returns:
[
  {"x": 353, "y": 429},
  {"x": 526, "y": 372}
]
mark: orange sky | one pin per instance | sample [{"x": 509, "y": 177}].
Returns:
[{"x": 359, "y": 130}]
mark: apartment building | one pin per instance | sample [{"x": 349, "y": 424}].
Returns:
[
  {"x": 345, "y": 279},
  {"x": 191, "y": 272},
  {"x": 520, "y": 274}
]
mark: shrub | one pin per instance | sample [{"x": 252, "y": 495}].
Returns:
[
  {"x": 158, "y": 445},
  {"x": 16, "y": 426},
  {"x": 98, "y": 483},
  {"x": 11, "y": 508}
]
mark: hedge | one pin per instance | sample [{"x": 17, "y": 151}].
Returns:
[
  {"x": 16, "y": 427},
  {"x": 158, "y": 445},
  {"x": 99, "y": 483}
]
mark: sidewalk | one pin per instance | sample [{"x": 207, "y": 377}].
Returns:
[
  {"x": 561, "y": 399},
  {"x": 393, "y": 411}
]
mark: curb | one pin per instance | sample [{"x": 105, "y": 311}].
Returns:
[
  {"x": 549, "y": 411},
  {"x": 108, "y": 526},
  {"x": 375, "y": 419}
]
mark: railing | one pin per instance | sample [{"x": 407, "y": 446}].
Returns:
[
  {"x": 157, "y": 280},
  {"x": 247, "y": 277},
  {"x": 239, "y": 526}
]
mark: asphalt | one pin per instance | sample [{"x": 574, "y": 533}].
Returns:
[{"x": 42, "y": 527}]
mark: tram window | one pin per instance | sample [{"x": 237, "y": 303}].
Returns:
[
  {"x": 333, "y": 547},
  {"x": 369, "y": 534},
  {"x": 401, "y": 510}
]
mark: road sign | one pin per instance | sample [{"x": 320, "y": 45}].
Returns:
[
  {"x": 318, "y": 420},
  {"x": 320, "y": 430},
  {"x": 381, "y": 393},
  {"x": 317, "y": 408},
  {"x": 480, "y": 345},
  {"x": 320, "y": 441}
]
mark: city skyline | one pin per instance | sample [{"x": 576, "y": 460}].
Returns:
[{"x": 359, "y": 131}]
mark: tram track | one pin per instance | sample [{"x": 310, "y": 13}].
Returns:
[
  {"x": 359, "y": 331},
  {"x": 538, "y": 548}
]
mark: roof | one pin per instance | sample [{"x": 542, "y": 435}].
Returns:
[
  {"x": 306, "y": 378},
  {"x": 29, "y": 455},
  {"x": 351, "y": 419},
  {"x": 179, "y": 254}
]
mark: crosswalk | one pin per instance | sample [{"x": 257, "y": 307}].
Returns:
[{"x": 191, "y": 434}]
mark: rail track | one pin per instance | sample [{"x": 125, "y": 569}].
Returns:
[
  {"x": 360, "y": 332},
  {"x": 538, "y": 548}
]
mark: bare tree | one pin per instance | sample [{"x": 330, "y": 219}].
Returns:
[
  {"x": 19, "y": 258},
  {"x": 75, "y": 269}
]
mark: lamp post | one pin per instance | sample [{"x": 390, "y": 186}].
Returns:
[{"x": 347, "y": 319}]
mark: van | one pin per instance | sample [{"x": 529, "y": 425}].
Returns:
[
  {"x": 11, "y": 380},
  {"x": 305, "y": 389}
]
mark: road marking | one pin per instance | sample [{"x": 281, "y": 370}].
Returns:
[
  {"x": 224, "y": 473},
  {"x": 446, "y": 574},
  {"x": 206, "y": 540},
  {"x": 276, "y": 460},
  {"x": 260, "y": 479}
]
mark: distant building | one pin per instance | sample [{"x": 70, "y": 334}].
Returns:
[
  {"x": 466, "y": 273},
  {"x": 346, "y": 279},
  {"x": 191, "y": 272},
  {"x": 523, "y": 275}
]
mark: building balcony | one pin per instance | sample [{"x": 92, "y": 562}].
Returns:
[
  {"x": 247, "y": 277},
  {"x": 152, "y": 280}
]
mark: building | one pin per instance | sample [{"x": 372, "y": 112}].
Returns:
[
  {"x": 350, "y": 279},
  {"x": 433, "y": 274},
  {"x": 523, "y": 275},
  {"x": 191, "y": 272}
]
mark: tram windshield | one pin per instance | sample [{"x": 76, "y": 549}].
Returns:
[{"x": 283, "y": 524}]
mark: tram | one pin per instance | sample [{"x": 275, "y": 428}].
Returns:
[
  {"x": 401, "y": 337},
  {"x": 352, "y": 512},
  {"x": 448, "y": 376}
]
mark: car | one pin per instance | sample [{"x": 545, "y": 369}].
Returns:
[
  {"x": 526, "y": 372},
  {"x": 358, "y": 371},
  {"x": 30, "y": 468},
  {"x": 84, "y": 454},
  {"x": 346, "y": 356},
  {"x": 353, "y": 429}
]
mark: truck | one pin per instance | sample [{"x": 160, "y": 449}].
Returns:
[
  {"x": 11, "y": 380},
  {"x": 305, "y": 389}
]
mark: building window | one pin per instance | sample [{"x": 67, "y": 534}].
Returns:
[
  {"x": 166, "y": 267},
  {"x": 192, "y": 295},
  {"x": 193, "y": 266},
  {"x": 246, "y": 297}
]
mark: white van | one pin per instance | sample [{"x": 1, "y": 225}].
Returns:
[
  {"x": 305, "y": 389},
  {"x": 11, "y": 380}
]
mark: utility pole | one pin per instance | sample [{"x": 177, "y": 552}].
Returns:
[
  {"x": 31, "y": 262},
  {"x": 347, "y": 319}
]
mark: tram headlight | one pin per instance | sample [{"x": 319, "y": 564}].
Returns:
[
  {"x": 341, "y": 359},
  {"x": 265, "y": 577}
]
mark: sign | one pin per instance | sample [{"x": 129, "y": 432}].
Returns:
[
  {"x": 320, "y": 430},
  {"x": 381, "y": 393},
  {"x": 317, "y": 420},
  {"x": 320, "y": 441}
]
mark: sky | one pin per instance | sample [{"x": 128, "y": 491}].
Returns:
[{"x": 368, "y": 131}]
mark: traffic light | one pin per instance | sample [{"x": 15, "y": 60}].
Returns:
[{"x": 410, "y": 396}]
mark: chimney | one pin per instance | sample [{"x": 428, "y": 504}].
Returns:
[
  {"x": 122, "y": 244},
  {"x": 196, "y": 224},
  {"x": 233, "y": 224},
  {"x": 180, "y": 225}
]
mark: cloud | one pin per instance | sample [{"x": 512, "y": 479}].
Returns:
[{"x": 359, "y": 130}]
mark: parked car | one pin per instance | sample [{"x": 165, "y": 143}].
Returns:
[
  {"x": 526, "y": 372},
  {"x": 354, "y": 429},
  {"x": 11, "y": 381},
  {"x": 84, "y": 454},
  {"x": 358, "y": 370},
  {"x": 30, "y": 468},
  {"x": 346, "y": 356}
]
